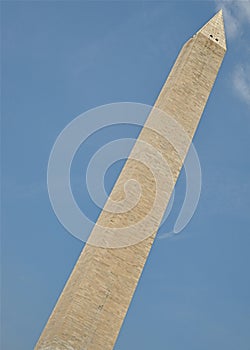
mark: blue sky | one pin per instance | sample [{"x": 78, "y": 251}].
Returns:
[{"x": 60, "y": 59}]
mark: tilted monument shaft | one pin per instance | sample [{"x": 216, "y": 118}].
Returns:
[{"x": 95, "y": 300}]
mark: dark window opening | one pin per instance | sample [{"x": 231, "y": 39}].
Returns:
[
  {"x": 211, "y": 36},
  {"x": 217, "y": 39}
]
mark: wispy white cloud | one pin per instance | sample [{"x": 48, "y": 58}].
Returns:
[
  {"x": 241, "y": 81},
  {"x": 244, "y": 9},
  {"x": 237, "y": 16}
]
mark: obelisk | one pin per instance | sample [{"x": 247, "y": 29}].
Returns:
[{"x": 95, "y": 300}]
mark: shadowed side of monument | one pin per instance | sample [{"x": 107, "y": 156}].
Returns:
[{"x": 95, "y": 300}]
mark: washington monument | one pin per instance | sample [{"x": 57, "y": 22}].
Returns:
[{"x": 94, "y": 302}]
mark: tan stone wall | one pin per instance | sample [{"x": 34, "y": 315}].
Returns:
[{"x": 95, "y": 300}]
